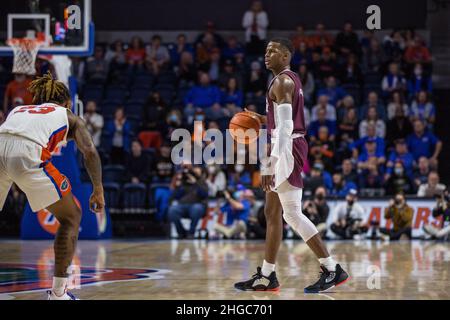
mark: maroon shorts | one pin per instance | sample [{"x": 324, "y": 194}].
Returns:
[{"x": 300, "y": 153}]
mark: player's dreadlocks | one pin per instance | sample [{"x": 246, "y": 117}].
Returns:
[{"x": 46, "y": 89}]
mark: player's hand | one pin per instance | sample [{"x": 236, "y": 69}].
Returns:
[
  {"x": 267, "y": 183},
  {"x": 261, "y": 118},
  {"x": 97, "y": 201}
]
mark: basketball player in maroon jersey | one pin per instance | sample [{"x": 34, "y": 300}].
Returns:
[{"x": 281, "y": 175}]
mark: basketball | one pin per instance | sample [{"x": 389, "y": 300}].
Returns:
[{"x": 244, "y": 127}]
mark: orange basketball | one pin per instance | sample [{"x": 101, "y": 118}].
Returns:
[{"x": 244, "y": 127}]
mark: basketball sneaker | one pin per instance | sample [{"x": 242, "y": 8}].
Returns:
[
  {"x": 259, "y": 282},
  {"x": 328, "y": 279},
  {"x": 66, "y": 296}
]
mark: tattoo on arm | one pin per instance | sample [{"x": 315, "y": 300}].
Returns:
[{"x": 80, "y": 134}]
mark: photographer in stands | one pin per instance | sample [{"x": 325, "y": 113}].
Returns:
[
  {"x": 442, "y": 208},
  {"x": 189, "y": 194},
  {"x": 401, "y": 215},
  {"x": 317, "y": 210},
  {"x": 349, "y": 217},
  {"x": 237, "y": 208}
]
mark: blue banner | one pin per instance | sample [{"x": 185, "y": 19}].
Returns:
[{"x": 43, "y": 225}]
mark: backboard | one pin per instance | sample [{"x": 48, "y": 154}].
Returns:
[{"x": 66, "y": 25}]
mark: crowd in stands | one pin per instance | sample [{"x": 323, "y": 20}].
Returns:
[{"x": 368, "y": 106}]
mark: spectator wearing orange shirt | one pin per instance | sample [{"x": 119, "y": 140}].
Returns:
[
  {"x": 321, "y": 38},
  {"x": 299, "y": 37},
  {"x": 135, "y": 54},
  {"x": 17, "y": 89}
]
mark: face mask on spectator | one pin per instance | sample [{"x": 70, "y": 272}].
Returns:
[
  {"x": 398, "y": 171},
  {"x": 212, "y": 169},
  {"x": 239, "y": 168},
  {"x": 173, "y": 119},
  {"x": 320, "y": 196},
  {"x": 418, "y": 71},
  {"x": 237, "y": 195}
]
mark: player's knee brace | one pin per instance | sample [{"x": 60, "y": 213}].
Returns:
[{"x": 292, "y": 214}]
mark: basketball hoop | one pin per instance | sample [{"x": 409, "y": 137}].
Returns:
[{"x": 25, "y": 51}]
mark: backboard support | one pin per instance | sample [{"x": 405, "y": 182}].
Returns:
[{"x": 49, "y": 17}]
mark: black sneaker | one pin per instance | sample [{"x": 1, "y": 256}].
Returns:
[
  {"x": 328, "y": 280},
  {"x": 258, "y": 282}
]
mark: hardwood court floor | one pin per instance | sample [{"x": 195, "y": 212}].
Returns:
[{"x": 207, "y": 270}]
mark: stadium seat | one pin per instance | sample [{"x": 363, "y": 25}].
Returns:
[
  {"x": 134, "y": 195},
  {"x": 167, "y": 77},
  {"x": 135, "y": 122},
  {"x": 113, "y": 173},
  {"x": 93, "y": 92},
  {"x": 151, "y": 192},
  {"x": 106, "y": 142},
  {"x": 112, "y": 196},
  {"x": 372, "y": 78},
  {"x": 116, "y": 92},
  {"x": 134, "y": 109},
  {"x": 139, "y": 94},
  {"x": 143, "y": 81},
  {"x": 150, "y": 139},
  {"x": 150, "y": 152},
  {"x": 108, "y": 107}
]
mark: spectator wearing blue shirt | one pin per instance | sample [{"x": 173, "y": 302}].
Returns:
[
  {"x": 118, "y": 132},
  {"x": 340, "y": 187},
  {"x": 400, "y": 154},
  {"x": 177, "y": 49},
  {"x": 229, "y": 71},
  {"x": 203, "y": 97},
  {"x": 393, "y": 80},
  {"x": 421, "y": 173},
  {"x": 237, "y": 175},
  {"x": 371, "y": 166},
  {"x": 302, "y": 55},
  {"x": 334, "y": 92},
  {"x": 422, "y": 109},
  {"x": 373, "y": 101},
  {"x": 237, "y": 208},
  {"x": 359, "y": 146},
  {"x": 423, "y": 143},
  {"x": 232, "y": 49},
  {"x": 419, "y": 82},
  {"x": 232, "y": 97},
  {"x": 322, "y": 121}
]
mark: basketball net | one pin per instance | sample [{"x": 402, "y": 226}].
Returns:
[{"x": 25, "y": 51}]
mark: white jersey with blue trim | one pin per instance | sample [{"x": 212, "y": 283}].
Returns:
[{"x": 46, "y": 124}]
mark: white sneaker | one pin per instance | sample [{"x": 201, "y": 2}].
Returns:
[{"x": 66, "y": 296}]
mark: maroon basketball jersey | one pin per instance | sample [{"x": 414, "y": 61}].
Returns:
[
  {"x": 299, "y": 146},
  {"x": 298, "y": 114}
]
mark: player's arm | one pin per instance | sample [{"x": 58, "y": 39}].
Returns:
[
  {"x": 262, "y": 118},
  {"x": 80, "y": 134},
  {"x": 281, "y": 92}
]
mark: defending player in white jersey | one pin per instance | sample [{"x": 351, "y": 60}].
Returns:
[{"x": 28, "y": 138}]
